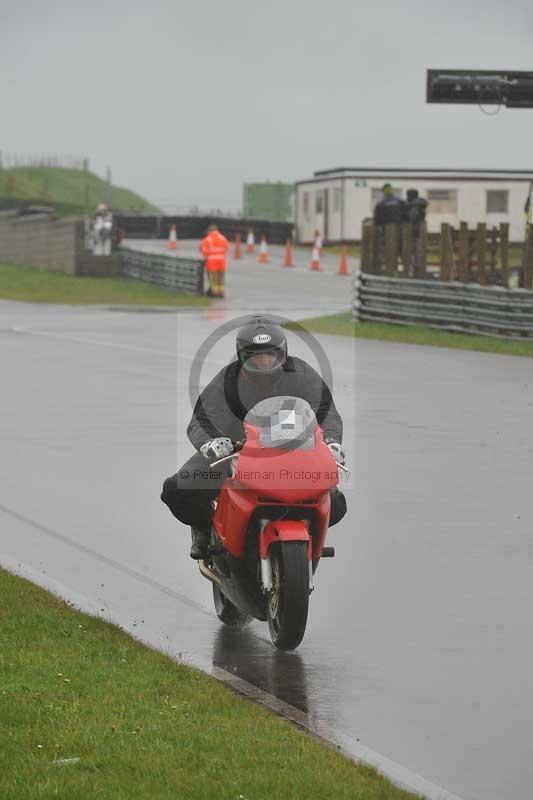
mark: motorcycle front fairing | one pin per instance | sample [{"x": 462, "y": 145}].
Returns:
[{"x": 283, "y": 465}]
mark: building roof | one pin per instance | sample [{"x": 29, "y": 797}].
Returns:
[{"x": 417, "y": 173}]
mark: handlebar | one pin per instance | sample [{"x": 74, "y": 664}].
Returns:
[
  {"x": 239, "y": 445},
  {"x": 236, "y": 447}
]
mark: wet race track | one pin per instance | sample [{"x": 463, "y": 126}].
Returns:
[{"x": 419, "y": 642}]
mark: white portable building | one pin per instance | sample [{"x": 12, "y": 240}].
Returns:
[{"x": 335, "y": 202}]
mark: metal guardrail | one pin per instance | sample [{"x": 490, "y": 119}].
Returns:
[
  {"x": 180, "y": 274},
  {"x": 470, "y": 308}
]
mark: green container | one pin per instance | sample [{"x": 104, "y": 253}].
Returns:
[{"x": 271, "y": 201}]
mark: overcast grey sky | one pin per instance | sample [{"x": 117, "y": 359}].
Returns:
[{"x": 187, "y": 100}]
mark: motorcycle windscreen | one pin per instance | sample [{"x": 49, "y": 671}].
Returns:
[{"x": 284, "y": 422}]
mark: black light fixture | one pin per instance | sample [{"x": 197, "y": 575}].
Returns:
[{"x": 507, "y": 88}]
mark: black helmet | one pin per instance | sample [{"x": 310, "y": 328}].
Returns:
[{"x": 260, "y": 335}]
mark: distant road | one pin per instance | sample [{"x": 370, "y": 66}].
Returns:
[{"x": 253, "y": 286}]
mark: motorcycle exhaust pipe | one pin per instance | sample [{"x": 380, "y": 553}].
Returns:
[
  {"x": 238, "y": 598},
  {"x": 209, "y": 574}
]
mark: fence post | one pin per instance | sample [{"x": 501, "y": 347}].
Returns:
[
  {"x": 446, "y": 253},
  {"x": 481, "y": 251},
  {"x": 420, "y": 268},
  {"x": 391, "y": 248},
  {"x": 357, "y": 283},
  {"x": 528, "y": 267},
  {"x": 376, "y": 248},
  {"x": 463, "y": 252},
  {"x": 407, "y": 249},
  {"x": 504, "y": 252},
  {"x": 493, "y": 248},
  {"x": 442, "y": 254},
  {"x": 367, "y": 236}
]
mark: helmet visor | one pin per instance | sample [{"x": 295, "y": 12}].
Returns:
[{"x": 263, "y": 362}]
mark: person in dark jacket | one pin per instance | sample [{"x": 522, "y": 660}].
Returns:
[
  {"x": 390, "y": 210},
  {"x": 262, "y": 369}
]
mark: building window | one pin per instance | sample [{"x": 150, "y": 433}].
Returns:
[
  {"x": 319, "y": 202},
  {"x": 442, "y": 201},
  {"x": 305, "y": 204},
  {"x": 497, "y": 201},
  {"x": 336, "y": 200}
]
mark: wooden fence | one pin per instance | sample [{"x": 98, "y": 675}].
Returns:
[{"x": 478, "y": 256}]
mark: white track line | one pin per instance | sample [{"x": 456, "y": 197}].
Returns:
[{"x": 114, "y": 345}]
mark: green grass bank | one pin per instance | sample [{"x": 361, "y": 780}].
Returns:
[
  {"x": 86, "y": 711},
  {"x": 344, "y": 325},
  {"x": 39, "y": 286},
  {"x": 72, "y": 191}
]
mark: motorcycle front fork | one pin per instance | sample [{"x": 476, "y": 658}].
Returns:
[{"x": 266, "y": 569}]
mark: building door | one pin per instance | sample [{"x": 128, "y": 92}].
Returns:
[{"x": 327, "y": 205}]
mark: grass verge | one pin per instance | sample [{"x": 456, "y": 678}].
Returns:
[
  {"x": 140, "y": 725},
  {"x": 344, "y": 325},
  {"x": 38, "y": 286}
]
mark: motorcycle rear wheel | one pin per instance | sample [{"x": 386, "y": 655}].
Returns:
[
  {"x": 288, "y": 603},
  {"x": 228, "y": 613}
]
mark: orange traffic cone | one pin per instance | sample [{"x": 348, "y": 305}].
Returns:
[
  {"x": 172, "y": 238},
  {"x": 250, "y": 242},
  {"x": 263, "y": 251},
  {"x": 288, "y": 254},
  {"x": 343, "y": 262},
  {"x": 237, "y": 252},
  {"x": 315, "y": 260}
]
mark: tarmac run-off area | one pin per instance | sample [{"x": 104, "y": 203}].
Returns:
[{"x": 419, "y": 643}]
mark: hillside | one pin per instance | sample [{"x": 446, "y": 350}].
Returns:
[{"x": 70, "y": 190}]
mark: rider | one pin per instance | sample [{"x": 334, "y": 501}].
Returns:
[{"x": 262, "y": 369}]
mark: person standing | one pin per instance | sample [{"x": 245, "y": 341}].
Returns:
[
  {"x": 214, "y": 248},
  {"x": 416, "y": 215},
  {"x": 390, "y": 210}
]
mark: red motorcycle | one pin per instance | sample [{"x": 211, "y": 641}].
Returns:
[{"x": 271, "y": 519}]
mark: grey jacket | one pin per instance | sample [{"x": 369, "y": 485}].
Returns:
[{"x": 224, "y": 403}]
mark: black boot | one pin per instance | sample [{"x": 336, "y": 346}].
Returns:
[{"x": 200, "y": 542}]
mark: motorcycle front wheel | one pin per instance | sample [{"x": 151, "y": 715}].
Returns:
[
  {"x": 288, "y": 602},
  {"x": 228, "y": 613}
]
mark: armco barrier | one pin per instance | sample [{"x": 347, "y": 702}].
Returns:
[
  {"x": 180, "y": 274},
  {"x": 453, "y": 306}
]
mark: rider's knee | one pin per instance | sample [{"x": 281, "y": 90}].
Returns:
[{"x": 169, "y": 488}]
